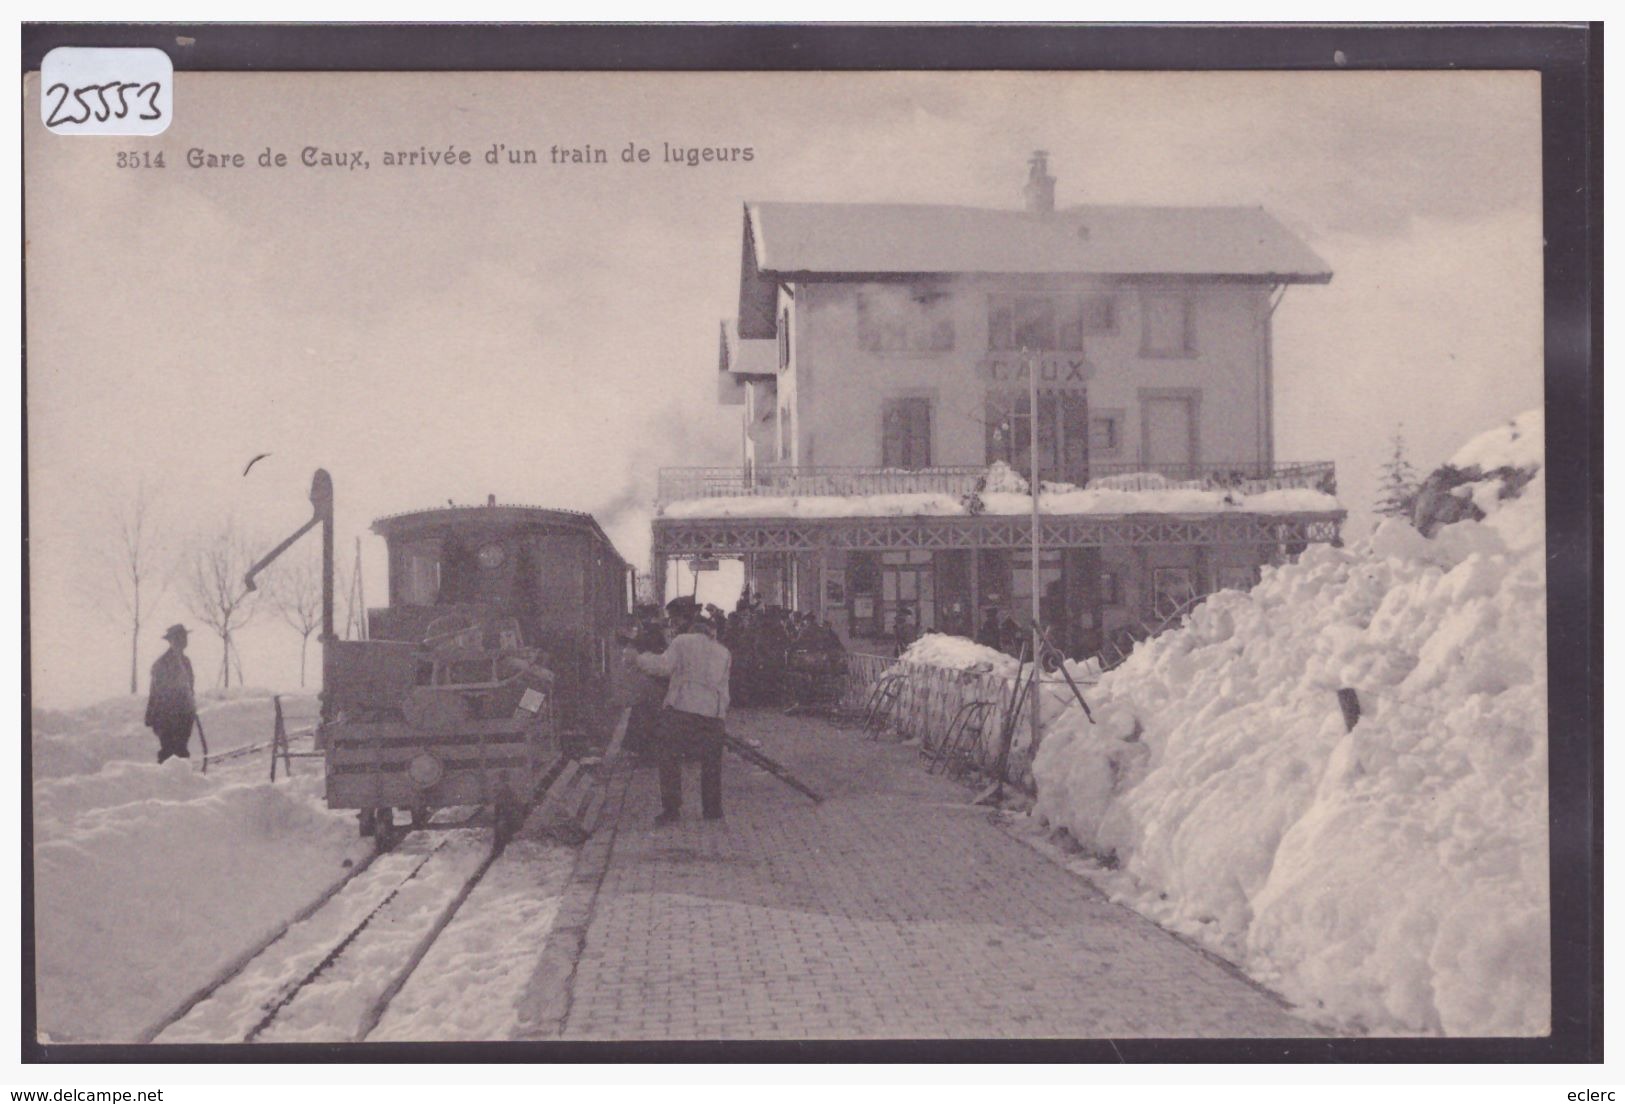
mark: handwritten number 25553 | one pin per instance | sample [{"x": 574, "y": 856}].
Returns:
[{"x": 106, "y": 109}]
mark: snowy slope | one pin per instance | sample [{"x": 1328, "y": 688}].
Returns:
[
  {"x": 1392, "y": 878},
  {"x": 148, "y": 879}
]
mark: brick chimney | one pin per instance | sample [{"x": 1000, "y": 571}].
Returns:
[{"x": 1040, "y": 187}]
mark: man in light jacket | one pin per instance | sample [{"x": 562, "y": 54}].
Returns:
[{"x": 692, "y": 714}]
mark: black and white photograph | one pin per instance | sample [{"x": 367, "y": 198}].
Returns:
[{"x": 794, "y": 557}]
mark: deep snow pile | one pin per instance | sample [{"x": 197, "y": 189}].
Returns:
[
  {"x": 148, "y": 879},
  {"x": 1392, "y": 878},
  {"x": 959, "y": 654}
]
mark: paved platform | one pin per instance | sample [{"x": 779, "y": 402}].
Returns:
[{"x": 894, "y": 910}]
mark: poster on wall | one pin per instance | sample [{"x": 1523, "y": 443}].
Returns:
[{"x": 834, "y": 588}]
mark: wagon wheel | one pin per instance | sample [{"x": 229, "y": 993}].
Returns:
[
  {"x": 382, "y": 824},
  {"x": 506, "y": 815}
]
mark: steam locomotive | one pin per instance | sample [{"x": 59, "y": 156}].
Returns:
[{"x": 492, "y": 661}]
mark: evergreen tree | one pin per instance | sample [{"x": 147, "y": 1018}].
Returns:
[{"x": 1396, "y": 491}]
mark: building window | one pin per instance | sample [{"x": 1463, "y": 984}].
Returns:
[
  {"x": 1172, "y": 589},
  {"x": 1063, "y": 421},
  {"x": 784, "y": 340},
  {"x": 1047, "y": 323},
  {"x": 905, "y": 583},
  {"x": 906, "y": 433},
  {"x": 1051, "y": 602},
  {"x": 786, "y": 431},
  {"x": 1168, "y": 324},
  {"x": 905, "y": 320},
  {"x": 1238, "y": 577},
  {"x": 1106, "y": 433}
]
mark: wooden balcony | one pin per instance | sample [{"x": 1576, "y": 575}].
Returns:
[{"x": 685, "y": 484}]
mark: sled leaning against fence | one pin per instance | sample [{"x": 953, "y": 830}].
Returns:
[
  {"x": 959, "y": 750},
  {"x": 882, "y": 702}
]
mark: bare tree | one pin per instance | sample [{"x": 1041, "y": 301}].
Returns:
[
  {"x": 295, "y": 590},
  {"x": 134, "y": 569},
  {"x": 212, "y": 586}
]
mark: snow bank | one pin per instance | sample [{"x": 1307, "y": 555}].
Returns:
[
  {"x": 1520, "y": 443},
  {"x": 82, "y": 741},
  {"x": 959, "y": 654},
  {"x": 1392, "y": 878},
  {"x": 148, "y": 879}
]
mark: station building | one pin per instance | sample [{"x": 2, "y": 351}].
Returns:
[{"x": 880, "y": 358}]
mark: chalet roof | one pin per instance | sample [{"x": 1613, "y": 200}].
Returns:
[
  {"x": 889, "y": 238},
  {"x": 811, "y": 241}
]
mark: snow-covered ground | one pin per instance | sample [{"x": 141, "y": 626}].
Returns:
[
  {"x": 1392, "y": 878},
  {"x": 149, "y": 879},
  {"x": 470, "y": 984}
]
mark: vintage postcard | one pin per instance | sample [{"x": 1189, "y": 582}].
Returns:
[{"x": 785, "y": 557}]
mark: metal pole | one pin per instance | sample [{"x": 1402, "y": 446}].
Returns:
[
  {"x": 1038, "y": 635},
  {"x": 360, "y": 595},
  {"x": 321, "y": 496}
]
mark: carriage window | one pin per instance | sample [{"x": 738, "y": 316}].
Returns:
[{"x": 422, "y": 579}]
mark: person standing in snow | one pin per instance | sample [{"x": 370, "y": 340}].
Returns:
[
  {"x": 696, "y": 703},
  {"x": 903, "y": 629},
  {"x": 171, "y": 705},
  {"x": 988, "y": 635}
]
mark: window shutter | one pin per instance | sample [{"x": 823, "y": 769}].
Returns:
[
  {"x": 891, "y": 443},
  {"x": 906, "y": 433},
  {"x": 919, "y": 450}
]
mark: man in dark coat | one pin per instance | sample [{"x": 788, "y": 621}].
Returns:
[
  {"x": 640, "y": 725},
  {"x": 771, "y": 641},
  {"x": 988, "y": 635},
  {"x": 904, "y": 631},
  {"x": 171, "y": 705}
]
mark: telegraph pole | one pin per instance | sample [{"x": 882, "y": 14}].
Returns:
[{"x": 1037, "y": 483}]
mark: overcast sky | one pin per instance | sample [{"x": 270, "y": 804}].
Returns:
[{"x": 548, "y": 333}]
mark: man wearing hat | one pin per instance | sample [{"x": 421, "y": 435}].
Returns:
[
  {"x": 171, "y": 707},
  {"x": 696, "y": 703}
]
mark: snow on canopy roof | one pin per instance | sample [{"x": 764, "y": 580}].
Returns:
[{"x": 877, "y": 238}]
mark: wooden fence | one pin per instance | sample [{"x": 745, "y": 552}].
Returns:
[{"x": 928, "y": 699}]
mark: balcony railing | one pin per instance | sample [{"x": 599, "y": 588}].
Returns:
[{"x": 683, "y": 484}]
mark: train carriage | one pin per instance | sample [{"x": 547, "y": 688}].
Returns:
[{"x": 491, "y": 662}]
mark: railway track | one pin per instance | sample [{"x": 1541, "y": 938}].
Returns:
[{"x": 330, "y": 974}]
